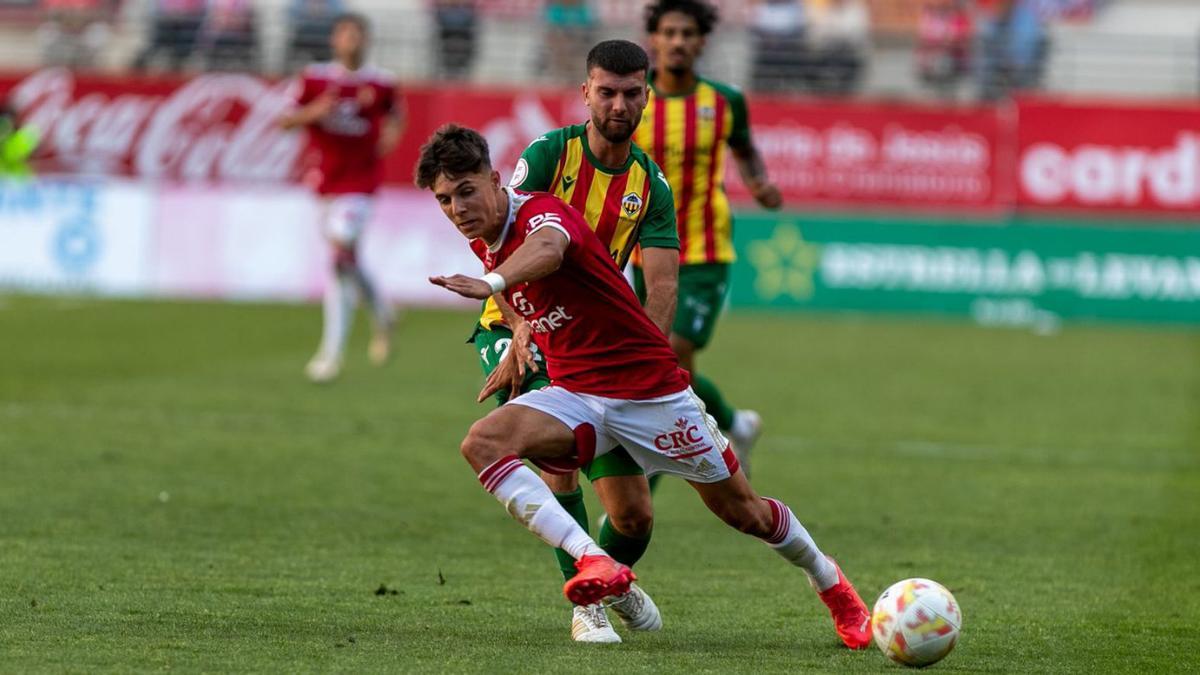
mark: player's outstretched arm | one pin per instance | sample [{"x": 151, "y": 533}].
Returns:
[{"x": 540, "y": 255}]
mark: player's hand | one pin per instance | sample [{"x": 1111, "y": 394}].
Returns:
[
  {"x": 518, "y": 360},
  {"x": 323, "y": 104},
  {"x": 767, "y": 195},
  {"x": 521, "y": 348},
  {"x": 468, "y": 287},
  {"x": 389, "y": 138}
]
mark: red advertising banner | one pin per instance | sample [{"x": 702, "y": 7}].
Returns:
[
  {"x": 1109, "y": 157},
  {"x": 1068, "y": 156},
  {"x": 878, "y": 154},
  {"x": 220, "y": 127},
  {"x": 214, "y": 127}
]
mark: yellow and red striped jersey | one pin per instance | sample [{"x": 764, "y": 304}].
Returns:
[
  {"x": 688, "y": 136},
  {"x": 626, "y": 206}
]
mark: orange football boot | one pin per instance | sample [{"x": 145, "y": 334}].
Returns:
[
  {"x": 850, "y": 615},
  {"x": 599, "y": 576}
]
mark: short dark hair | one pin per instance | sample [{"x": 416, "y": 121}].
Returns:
[
  {"x": 619, "y": 57},
  {"x": 705, "y": 14},
  {"x": 452, "y": 151},
  {"x": 356, "y": 18}
]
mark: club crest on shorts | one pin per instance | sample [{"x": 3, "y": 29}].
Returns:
[{"x": 631, "y": 205}]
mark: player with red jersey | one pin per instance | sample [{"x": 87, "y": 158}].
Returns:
[
  {"x": 352, "y": 114},
  {"x": 614, "y": 381}
]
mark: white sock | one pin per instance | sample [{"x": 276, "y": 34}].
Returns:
[
  {"x": 790, "y": 540},
  {"x": 341, "y": 296},
  {"x": 531, "y": 502},
  {"x": 741, "y": 424}
]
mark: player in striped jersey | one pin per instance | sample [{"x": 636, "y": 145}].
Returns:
[
  {"x": 625, "y": 199},
  {"x": 688, "y": 124}
]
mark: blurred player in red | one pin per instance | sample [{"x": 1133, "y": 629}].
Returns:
[
  {"x": 614, "y": 380},
  {"x": 352, "y": 114}
]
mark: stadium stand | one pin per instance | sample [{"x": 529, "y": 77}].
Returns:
[{"x": 1147, "y": 48}]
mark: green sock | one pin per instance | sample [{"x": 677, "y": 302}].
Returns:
[
  {"x": 625, "y": 550},
  {"x": 714, "y": 402},
  {"x": 573, "y": 503},
  {"x": 654, "y": 481}
]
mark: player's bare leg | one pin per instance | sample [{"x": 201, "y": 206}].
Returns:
[
  {"x": 734, "y": 501},
  {"x": 494, "y": 447}
]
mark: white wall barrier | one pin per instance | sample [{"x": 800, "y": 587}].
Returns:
[{"x": 135, "y": 239}]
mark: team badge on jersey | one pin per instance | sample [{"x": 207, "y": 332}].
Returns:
[
  {"x": 706, "y": 112},
  {"x": 631, "y": 204},
  {"x": 520, "y": 173}
]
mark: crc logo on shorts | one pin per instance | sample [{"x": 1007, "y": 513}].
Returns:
[
  {"x": 631, "y": 204},
  {"x": 683, "y": 442}
]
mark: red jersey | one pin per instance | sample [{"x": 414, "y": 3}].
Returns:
[
  {"x": 347, "y": 138},
  {"x": 586, "y": 319}
]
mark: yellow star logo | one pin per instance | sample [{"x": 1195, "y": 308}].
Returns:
[{"x": 785, "y": 264}]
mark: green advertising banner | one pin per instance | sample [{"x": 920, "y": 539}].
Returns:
[{"x": 1025, "y": 273}]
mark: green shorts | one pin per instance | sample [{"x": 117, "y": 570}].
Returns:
[
  {"x": 702, "y": 290},
  {"x": 492, "y": 345}
]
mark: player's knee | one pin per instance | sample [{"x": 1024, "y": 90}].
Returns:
[
  {"x": 344, "y": 259},
  {"x": 480, "y": 446},
  {"x": 561, "y": 483},
  {"x": 633, "y": 520}
]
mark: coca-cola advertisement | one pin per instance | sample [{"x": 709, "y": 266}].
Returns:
[
  {"x": 213, "y": 127},
  {"x": 858, "y": 154},
  {"x": 221, "y": 127},
  {"x": 1109, "y": 157}
]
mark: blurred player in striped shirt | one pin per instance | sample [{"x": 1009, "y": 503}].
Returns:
[{"x": 687, "y": 126}]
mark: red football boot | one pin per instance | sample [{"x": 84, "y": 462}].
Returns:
[
  {"x": 850, "y": 615},
  {"x": 599, "y": 576}
]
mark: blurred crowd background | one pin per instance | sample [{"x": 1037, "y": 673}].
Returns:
[{"x": 944, "y": 49}]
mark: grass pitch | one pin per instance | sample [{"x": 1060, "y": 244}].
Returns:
[{"x": 174, "y": 495}]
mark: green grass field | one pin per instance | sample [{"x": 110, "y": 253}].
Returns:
[{"x": 174, "y": 495}]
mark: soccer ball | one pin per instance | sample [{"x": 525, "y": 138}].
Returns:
[{"x": 916, "y": 622}]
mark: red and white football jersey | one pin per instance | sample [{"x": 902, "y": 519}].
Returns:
[
  {"x": 586, "y": 319},
  {"x": 346, "y": 140}
]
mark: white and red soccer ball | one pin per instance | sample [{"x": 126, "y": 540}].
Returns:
[{"x": 916, "y": 622}]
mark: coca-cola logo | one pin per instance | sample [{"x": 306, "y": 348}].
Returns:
[
  {"x": 213, "y": 127},
  {"x": 1104, "y": 175}
]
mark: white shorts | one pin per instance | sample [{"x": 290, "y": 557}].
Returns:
[
  {"x": 670, "y": 434},
  {"x": 343, "y": 217}
]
